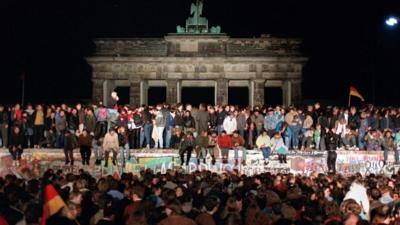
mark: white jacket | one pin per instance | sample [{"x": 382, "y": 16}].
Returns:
[
  {"x": 229, "y": 125},
  {"x": 359, "y": 193}
]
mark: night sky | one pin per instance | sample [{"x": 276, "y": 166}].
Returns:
[{"x": 347, "y": 42}]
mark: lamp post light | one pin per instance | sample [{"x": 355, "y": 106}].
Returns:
[{"x": 392, "y": 21}]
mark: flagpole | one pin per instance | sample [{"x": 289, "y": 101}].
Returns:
[
  {"x": 349, "y": 99},
  {"x": 23, "y": 90}
]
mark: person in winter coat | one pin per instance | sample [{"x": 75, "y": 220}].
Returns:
[
  {"x": 224, "y": 143},
  {"x": 212, "y": 122},
  {"x": 90, "y": 121},
  {"x": 250, "y": 136},
  {"x": 27, "y": 127},
  {"x": 73, "y": 121},
  {"x": 270, "y": 122},
  {"x": 358, "y": 193},
  {"x": 101, "y": 114},
  {"x": 213, "y": 146},
  {"x": 70, "y": 143},
  {"x": 176, "y": 138},
  {"x": 38, "y": 125},
  {"x": 388, "y": 145},
  {"x": 85, "y": 145},
  {"x": 189, "y": 123},
  {"x": 396, "y": 146},
  {"x": 331, "y": 140},
  {"x": 201, "y": 146},
  {"x": 279, "y": 147},
  {"x": 241, "y": 122},
  {"x": 4, "y": 121},
  {"x": 110, "y": 143},
  {"x": 124, "y": 149},
  {"x": 258, "y": 119},
  {"x": 186, "y": 146},
  {"x": 202, "y": 119},
  {"x": 230, "y": 124},
  {"x": 160, "y": 123},
  {"x": 238, "y": 145},
  {"x": 169, "y": 127},
  {"x": 61, "y": 126},
  {"x": 221, "y": 115},
  {"x": 263, "y": 143},
  {"x": 16, "y": 144}
]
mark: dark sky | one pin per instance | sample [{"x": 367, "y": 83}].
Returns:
[{"x": 347, "y": 41}]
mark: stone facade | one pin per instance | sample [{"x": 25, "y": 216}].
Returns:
[{"x": 177, "y": 61}]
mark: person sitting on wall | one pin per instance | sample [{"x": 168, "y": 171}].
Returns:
[
  {"x": 176, "y": 137},
  {"x": 186, "y": 146},
  {"x": 238, "y": 145},
  {"x": 110, "y": 143},
  {"x": 224, "y": 143},
  {"x": 16, "y": 143},
  {"x": 279, "y": 147},
  {"x": 263, "y": 143}
]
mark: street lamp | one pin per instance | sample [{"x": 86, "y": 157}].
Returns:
[{"x": 392, "y": 21}]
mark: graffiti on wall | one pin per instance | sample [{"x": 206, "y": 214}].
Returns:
[{"x": 35, "y": 163}]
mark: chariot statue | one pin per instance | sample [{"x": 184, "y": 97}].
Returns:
[{"x": 196, "y": 24}]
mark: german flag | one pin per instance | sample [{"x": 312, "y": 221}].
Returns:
[
  {"x": 52, "y": 203},
  {"x": 355, "y": 93}
]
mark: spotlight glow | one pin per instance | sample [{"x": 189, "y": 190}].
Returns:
[{"x": 392, "y": 21}]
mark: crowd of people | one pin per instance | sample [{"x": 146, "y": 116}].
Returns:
[
  {"x": 203, "y": 198},
  {"x": 208, "y": 129}
]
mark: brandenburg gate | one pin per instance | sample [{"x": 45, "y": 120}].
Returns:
[{"x": 197, "y": 56}]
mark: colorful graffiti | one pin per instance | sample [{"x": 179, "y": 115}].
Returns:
[{"x": 35, "y": 162}]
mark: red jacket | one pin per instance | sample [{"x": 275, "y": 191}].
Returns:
[
  {"x": 225, "y": 141},
  {"x": 237, "y": 140}
]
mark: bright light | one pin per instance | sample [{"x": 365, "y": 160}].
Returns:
[{"x": 391, "y": 21}]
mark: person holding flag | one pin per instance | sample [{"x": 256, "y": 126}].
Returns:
[{"x": 56, "y": 211}]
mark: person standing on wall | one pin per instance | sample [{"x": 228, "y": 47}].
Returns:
[
  {"x": 70, "y": 144},
  {"x": 3, "y": 127},
  {"x": 85, "y": 144},
  {"x": 331, "y": 140}
]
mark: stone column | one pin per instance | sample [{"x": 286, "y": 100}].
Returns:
[
  {"x": 97, "y": 91},
  {"x": 172, "y": 91},
  {"x": 108, "y": 87},
  {"x": 257, "y": 92},
  {"x": 179, "y": 92},
  {"x": 287, "y": 93},
  {"x": 134, "y": 92},
  {"x": 221, "y": 91},
  {"x": 296, "y": 92},
  {"x": 144, "y": 88}
]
